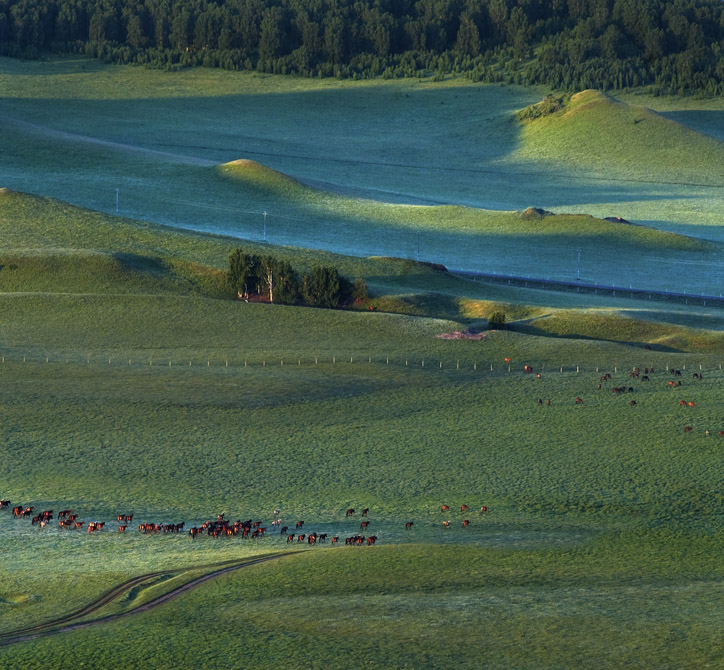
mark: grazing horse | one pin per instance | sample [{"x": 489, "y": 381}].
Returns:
[
  {"x": 364, "y": 524},
  {"x": 122, "y": 528},
  {"x": 65, "y": 512},
  {"x": 445, "y": 508},
  {"x": 688, "y": 429},
  {"x": 691, "y": 404},
  {"x": 335, "y": 539},
  {"x": 466, "y": 522},
  {"x": 4, "y": 503},
  {"x": 484, "y": 509},
  {"x": 506, "y": 359},
  {"x": 446, "y": 524},
  {"x": 283, "y": 530},
  {"x": 18, "y": 510},
  {"x": 721, "y": 433},
  {"x": 579, "y": 401},
  {"x": 350, "y": 512},
  {"x": 300, "y": 538},
  {"x": 633, "y": 403},
  {"x": 290, "y": 538},
  {"x": 408, "y": 525},
  {"x": 682, "y": 403},
  {"x": 365, "y": 510},
  {"x": 300, "y": 524},
  {"x": 464, "y": 508},
  {"x": 371, "y": 540},
  {"x": 527, "y": 368}
]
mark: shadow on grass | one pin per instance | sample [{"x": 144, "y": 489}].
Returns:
[
  {"x": 526, "y": 328},
  {"x": 152, "y": 265}
]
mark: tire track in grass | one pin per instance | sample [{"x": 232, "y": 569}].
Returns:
[{"x": 65, "y": 623}]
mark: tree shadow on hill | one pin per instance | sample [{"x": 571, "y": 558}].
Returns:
[
  {"x": 131, "y": 262},
  {"x": 526, "y": 328},
  {"x": 709, "y": 122}
]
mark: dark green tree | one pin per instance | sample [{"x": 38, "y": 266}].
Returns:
[
  {"x": 321, "y": 287},
  {"x": 243, "y": 273}
]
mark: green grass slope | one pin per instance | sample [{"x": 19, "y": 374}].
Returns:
[
  {"x": 455, "y": 220},
  {"x": 54, "y": 248},
  {"x": 606, "y": 136},
  {"x": 126, "y": 386}
]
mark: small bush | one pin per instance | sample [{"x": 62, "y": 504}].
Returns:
[
  {"x": 496, "y": 320},
  {"x": 359, "y": 290}
]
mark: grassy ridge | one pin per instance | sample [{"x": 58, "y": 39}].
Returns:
[
  {"x": 601, "y": 134},
  {"x": 467, "y": 220}
]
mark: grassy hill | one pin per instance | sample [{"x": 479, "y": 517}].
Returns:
[
  {"x": 411, "y": 142},
  {"x": 609, "y": 137}
]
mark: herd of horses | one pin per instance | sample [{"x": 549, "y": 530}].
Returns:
[
  {"x": 251, "y": 529},
  {"x": 221, "y": 527}
]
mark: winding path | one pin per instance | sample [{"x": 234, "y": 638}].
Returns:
[{"x": 65, "y": 623}]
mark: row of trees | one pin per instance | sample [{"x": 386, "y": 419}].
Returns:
[
  {"x": 275, "y": 280},
  {"x": 605, "y": 43}
]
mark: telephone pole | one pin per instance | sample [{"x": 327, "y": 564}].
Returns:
[{"x": 578, "y": 265}]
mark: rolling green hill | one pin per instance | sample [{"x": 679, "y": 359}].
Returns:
[{"x": 597, "y": 133}]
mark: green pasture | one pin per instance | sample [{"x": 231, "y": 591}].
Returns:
[
  {"x": 130, "y": 382},
  {"x": 77, "y": 130}
]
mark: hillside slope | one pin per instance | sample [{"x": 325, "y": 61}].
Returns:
[{"x": 611, "y": 138}]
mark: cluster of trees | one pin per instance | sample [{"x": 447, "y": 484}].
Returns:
[
  {"x": 276, "y": 280},
  {"x": 568, "y": 44}
]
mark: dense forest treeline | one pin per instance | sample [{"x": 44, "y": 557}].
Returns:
[{"x": 669, "y": 45}]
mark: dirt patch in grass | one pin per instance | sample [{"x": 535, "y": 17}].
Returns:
[{"x": 462, "y": 335}]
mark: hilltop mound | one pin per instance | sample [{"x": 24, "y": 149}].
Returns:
[
  {"x": 261, "y": 177},
  {"x": 612, "y": 138}
]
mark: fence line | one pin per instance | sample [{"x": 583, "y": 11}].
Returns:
[{"x": 529, "y": 368}]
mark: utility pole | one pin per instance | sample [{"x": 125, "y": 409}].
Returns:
[{"x": 578, "y": 265}]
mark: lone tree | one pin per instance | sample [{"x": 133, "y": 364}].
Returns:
[{"x": 496, "y": 320}]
